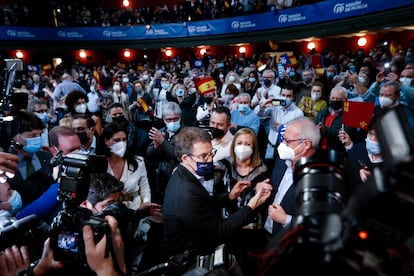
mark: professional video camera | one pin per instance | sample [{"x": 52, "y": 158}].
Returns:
[
  {"x": 66, "y": 230},
  {"x": 366, "y": 235}
]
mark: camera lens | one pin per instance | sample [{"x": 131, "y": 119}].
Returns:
[{"x": 320, "y": 184}]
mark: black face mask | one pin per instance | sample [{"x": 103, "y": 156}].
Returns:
[
  {"x": 208, "y": 100},
  {"x": 119, "y": 119},
  {"x": 83, "y": 137},
  {"x": 336, "y": 105},
  {"x": 267, "y": 82}
]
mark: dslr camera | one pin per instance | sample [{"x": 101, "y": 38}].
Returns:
[{"x": 66, "y": 230}]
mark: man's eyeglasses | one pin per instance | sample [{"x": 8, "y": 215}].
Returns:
[
  {"x": 288, "y": 141},
  {"x": 205, "y": 156}
]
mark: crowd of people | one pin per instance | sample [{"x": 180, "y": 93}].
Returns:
[
  {"x": 201, "y": 155},
  {"x": 77, "y": 14}
]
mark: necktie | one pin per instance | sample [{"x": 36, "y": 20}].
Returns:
[{"x": 29, "y": 166}]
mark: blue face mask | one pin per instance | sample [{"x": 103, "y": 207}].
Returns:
[
  {"x": 205, "y": 169},
  {"x": 372, "y": 147},
  {"x": 33, "y": 144},
  {"x": 252, "y": 79},
  {"x": 43, "y": 116},
  {"x": 173, "y": 126},
  {"x": 330, "y": 75},
  {"x": 243, "y": 108},
  {"x": 292, "y": 74}
]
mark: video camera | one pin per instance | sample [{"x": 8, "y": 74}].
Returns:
[
  {"x": 330, "y": 235},
  {"x": 66, "y": 231},
  {"x": 279, "y": 102}
]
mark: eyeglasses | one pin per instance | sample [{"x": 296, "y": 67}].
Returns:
[
  {"x": 205, "y": 156},
  {"x": 288, "y": 141}
]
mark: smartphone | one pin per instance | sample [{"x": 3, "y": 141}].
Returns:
[
  {"x": 352, "y": 69},
  {"x": 363, "y": 165},
  {"x": 279, "y": 102}
]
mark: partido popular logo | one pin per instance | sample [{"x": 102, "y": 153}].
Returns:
[{"x": 349, "y": 7}]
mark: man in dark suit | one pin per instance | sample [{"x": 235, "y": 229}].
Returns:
[
  {"x": 300, "y": 140},
  {"x": 33, "y": 175},
  {"x": 192, "y": 217}
]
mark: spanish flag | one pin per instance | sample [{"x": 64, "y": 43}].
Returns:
[
  {"x": 357, "y": 114},
  {"x": 205, "y": 85},
  {"x": 144, "y": 105}
]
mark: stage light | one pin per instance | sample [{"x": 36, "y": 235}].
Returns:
[
  {"x": 168, "y": 53},
  {"x": 242, "y": 50},
  {"x": 127, "y": 53},
  {"x": 82, "y": 54},
  {"x": 19, "y": 54},
  {"x": 311, "y": 45},
  {"x": 362, "y": 41},
  {"x": 203, "y": 51},
  {"x": 148, "y": 26},
  {"x": 125, "y": 3}
]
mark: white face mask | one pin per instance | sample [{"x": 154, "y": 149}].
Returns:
[
  {"x": 16, "y": 202},
  {"x": 81, "y": 108},
  {"x": 285, "y": 152},
  {"x": 385, "y": 101},
  {"x": 119, "y": 148},
  {"x": 315, "y": 96},
  {"x": 243, "y": 152},
  {"x": 406, "y": 81},
  {"x": 232, "y": 78},
  {"x": 116, "y": 87}
]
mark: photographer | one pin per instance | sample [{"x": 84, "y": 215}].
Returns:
[
  {"x": 104, "y": 190},
  {"x": 12, "y": 259}
]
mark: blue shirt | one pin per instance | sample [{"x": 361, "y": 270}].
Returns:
[{"x": 249, "y": 119}]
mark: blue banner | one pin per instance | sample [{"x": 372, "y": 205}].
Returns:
[{"x": 303, "y": 15}]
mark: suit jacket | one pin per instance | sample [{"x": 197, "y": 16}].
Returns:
[
  {"x": 192, "y": 218},
  {"x": 34, "y": 186},
  {"x": 289, "y": 199}
]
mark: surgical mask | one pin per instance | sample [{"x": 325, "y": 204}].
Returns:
[
  {"x": 307, "y": 79},
  {"x": 179, "y": 92},
  {"x": 119, "y": 148},
  {"x": 173, "y": 126},
  {"x": 361, "y": 80},
  {"x": 243, "y": 152},
  {"x": 372, "y": 146},
  {"x": 243, "y": 108},
  {"x": 43, "y": 116},
  {"x": 252, "y": 79},
  {"x": 116, "y": 87},
  {"x": 125, "y": 80},
  {"x": 228, "y": 97},
  {"x": 83, "y": 137},
  {"x": 288, "y": 100},
  {"x": 205, "y": 169},
  {"x": 335, "y": 105},
  {"x": 16, "y": 202},
  {"x": 285, "y": 152},
  {"x": 232, "y": 78},
  {"x": 406, "y": 81},
  {"x": 145, "y": 77},
  {"x": 165, "y": 85},
  {"x": 33, "y": 144},
  {"x": 385, "y": 101},
  {"x": 221, "y": 76},
  {"x": 267, "y": 82},
  {"x": 292, "y": 74},
  {"x": 92, "y": 89},
  {"x": 81, "y": 108},
  {"x": 330, "y": 75},
  {"x": 315, "y": 96}
]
